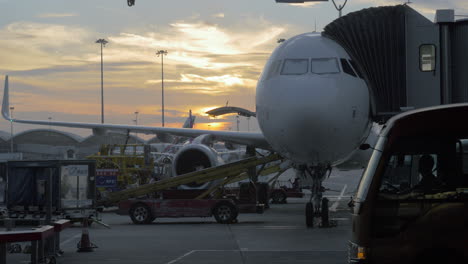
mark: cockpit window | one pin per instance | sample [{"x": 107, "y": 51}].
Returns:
[
  {"x": 274, "y": 69},
  {"x": 356, "y": 68},
  {"x": 295, "y": 67},
  {"x": 347, "y": 68},
  {"x": 324, "y": 66}
]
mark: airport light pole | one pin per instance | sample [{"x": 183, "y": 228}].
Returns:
[
  {"x": 103, "y": 43},
  {"x": 338, "y": 7},
  {"x": 136, "y": 121},
  {"x": 162, "y": 53},
  {"x": 11, "y": 128}
]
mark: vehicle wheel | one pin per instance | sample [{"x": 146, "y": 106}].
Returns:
[
  {"x": 262, "y": 191},
  {"x": 278, "y": 197},
  {"x": 324, "y": 213},
  {"x": 309, "y": 214},
  {"x": 140, "y": 214},
  {"x": 225, "y": 213}
]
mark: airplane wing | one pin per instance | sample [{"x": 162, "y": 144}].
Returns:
[{"x": 254, "y": 139}]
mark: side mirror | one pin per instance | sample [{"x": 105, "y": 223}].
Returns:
[{"x": 364, "y": 146}]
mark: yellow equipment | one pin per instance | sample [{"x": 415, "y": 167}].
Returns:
[
  {"x": 132, "y": 160},
  {"x": 226, "y": 173}
]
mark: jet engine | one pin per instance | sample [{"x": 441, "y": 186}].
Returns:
[{"x": 195, "y": 157}]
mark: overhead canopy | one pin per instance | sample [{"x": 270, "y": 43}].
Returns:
[{"x": 231, "y": 110}]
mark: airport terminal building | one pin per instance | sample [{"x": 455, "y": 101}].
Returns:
[{"x": 52, "y": 144}]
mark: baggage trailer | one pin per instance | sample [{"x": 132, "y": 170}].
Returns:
[{"x": 45, "y": 189}]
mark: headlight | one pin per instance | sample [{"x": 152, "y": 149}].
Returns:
[{"x": 356, "y": 253}]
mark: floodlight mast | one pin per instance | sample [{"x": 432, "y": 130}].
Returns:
[
  {"x": 162, "y": 53},
  {"x": 103, "y": 43}
]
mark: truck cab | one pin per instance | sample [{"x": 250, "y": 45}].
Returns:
[{"x": 412, "y": 202}]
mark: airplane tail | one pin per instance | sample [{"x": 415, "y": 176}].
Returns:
[
  {"x": 190, "y": 121},
  {"x": 6, "y": 101}
]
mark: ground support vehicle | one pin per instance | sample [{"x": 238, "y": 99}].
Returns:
[
  {"x": 412, "y": 202},
  {"x": 144, "y": 211},
  {"x": 162, "y": 194},
  {"x": 284, "y": 189}
]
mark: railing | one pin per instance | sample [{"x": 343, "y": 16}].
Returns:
[{"x": 37, "y": 236}]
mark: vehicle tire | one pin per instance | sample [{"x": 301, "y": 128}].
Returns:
[
  {"x": 262, "y": 191},
  {"x": 278, "y": 197},
  {"x": 225, "y": 213},
  {"x": 309, "y": 214},
  {"x": 324, "y": 213},
  {"x": 140, "y": 214}
]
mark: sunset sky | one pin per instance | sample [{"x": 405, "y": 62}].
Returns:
[{"x": 216, "y": 51}]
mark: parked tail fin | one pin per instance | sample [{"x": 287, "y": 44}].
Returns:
[
  {"x": 190, "y": 121},
  {"x": 6, "y": 101}
]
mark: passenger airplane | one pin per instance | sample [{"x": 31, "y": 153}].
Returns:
[{"x": 312, "y": 107}]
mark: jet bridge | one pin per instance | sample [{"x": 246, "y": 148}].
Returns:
[{"x": 408, "y": 61}]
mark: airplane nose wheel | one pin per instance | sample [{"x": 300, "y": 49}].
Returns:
[{"x": 317, "y": 205}]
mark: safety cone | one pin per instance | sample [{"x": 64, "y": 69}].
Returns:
[{"x": 85, "y": 244}]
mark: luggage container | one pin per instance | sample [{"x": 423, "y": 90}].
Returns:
[{"x": 38, "y": 190}]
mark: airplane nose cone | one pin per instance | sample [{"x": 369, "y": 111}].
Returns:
[{"x": 313, "y": 120}]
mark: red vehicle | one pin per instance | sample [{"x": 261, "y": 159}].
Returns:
[
  {"x": 285, "y": 189},
  {"x": 181, "y": 203}
]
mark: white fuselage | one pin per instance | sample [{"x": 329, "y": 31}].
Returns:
[{"x": 308, "y": 108}]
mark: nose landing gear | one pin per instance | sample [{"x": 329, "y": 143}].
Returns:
[{"x": 317, "y": 205}]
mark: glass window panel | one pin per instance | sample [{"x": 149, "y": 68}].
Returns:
[
  {"x": 74, "y": 186},
  {"x": 274, "y": 69},
  {"x": 427, "y": 58},
  {"x": 356, "y": 68},
  {"x": 324, "y": 66},
  {"x": 295, "y": 67},
  {"x": 347, "y": 68}
]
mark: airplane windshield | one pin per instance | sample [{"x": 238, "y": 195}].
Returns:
[
  {"x": 295, "y": 67},
  {"x": 324, "y": 66}
]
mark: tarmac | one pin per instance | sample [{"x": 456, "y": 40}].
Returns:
[{"x": 277, "y": 236}]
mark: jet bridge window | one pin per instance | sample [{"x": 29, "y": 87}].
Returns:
[
  {"x": 347, "y": 68},
  {"x": 295, "y": 67},
  {"x": 324, "y": 66},
  {"x": 427, "y": 57}
]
